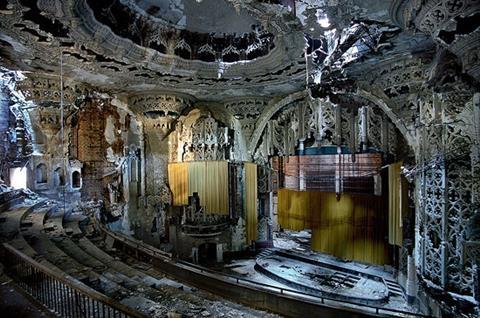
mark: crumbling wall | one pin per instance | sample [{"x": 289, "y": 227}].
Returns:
[
  {"x": 104, "y": 138},
  {"x": 91, "y": 149},
  {"x": 5, "y": 123},
  {"x": 15, "y": 133}
]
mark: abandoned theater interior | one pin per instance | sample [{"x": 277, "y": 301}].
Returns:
[{"x": 228, "y": 158}]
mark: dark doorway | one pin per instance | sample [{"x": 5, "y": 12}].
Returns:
[{"x": 207, "y": 253}]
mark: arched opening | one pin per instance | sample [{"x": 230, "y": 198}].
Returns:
[
  {"x": 18, "y": 178},
  {"x": 206, "y": 57},
  {"x": 183, "y": 53},
  {"x": 59, "y": 177},
  {"x": 231, "y": 57},
  {"x": 76, "y": 180},
  {"x": 41, "y": 174}
]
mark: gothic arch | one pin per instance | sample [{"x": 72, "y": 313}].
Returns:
[
  {"x": 272, "y": 108},
  {"x": 378, "y": 101}
]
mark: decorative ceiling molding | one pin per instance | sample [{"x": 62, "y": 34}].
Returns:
[{"x": 162, "y": 105}]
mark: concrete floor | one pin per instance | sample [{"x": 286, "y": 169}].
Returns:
[{"x": 15, "y": 303}]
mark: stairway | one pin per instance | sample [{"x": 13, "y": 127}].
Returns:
[
  {"x": 394, "y": 289},
  {"x": 266, "y": 252},
  {"x": 344, "y": 279}
]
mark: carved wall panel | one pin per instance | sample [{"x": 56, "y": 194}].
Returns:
[
  {"x": 247, "y": 112},
  {"x": 433, "y": 231},
  {"x": 161, "y": 105},
  {"x": 348, "y": 131},
  {"x": 44, "y": 90},
  {"x": 327, "y": 121},
  {"x": 375, "y": 122},
  {"x": 436, "y": 15},
  {"x": 446, "y": 202},
  {"x": 321, "y": 123},
  {"x": 203, "y": 139}
]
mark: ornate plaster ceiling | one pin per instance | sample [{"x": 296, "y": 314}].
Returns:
[
  {"x": 212, "y": 50},
  {"x": 205, "y": 16}
]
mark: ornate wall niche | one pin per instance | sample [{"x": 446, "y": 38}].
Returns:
[{"x": 75, "y": 170}]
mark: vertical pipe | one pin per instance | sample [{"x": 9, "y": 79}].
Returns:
[
  {"x": 364, "y": 127},
  {"x": 58, "y": 298},
  {"x": 445, "y": 200},
  {"x": 84, "y": 305},
  {"x": 30, "y": 279},
  {"x": 89, "y": 306},
  {"x": 62, "y": 118},
  {"x": 71, "y": 305},
  {"x": 411, "y": 280},
  {"x": 47, "y": 290}
]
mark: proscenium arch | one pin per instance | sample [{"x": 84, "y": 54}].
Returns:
[
  {"x": 272, "y": 108},
  {"x": 275, "y": 107}
]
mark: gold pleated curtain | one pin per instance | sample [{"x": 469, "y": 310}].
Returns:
[
  {"x": 397, "y": 203},
  {"x": 178, "y": 181},
  {"x": 197, "y": 171},
  {"x": 251, "y": 200},
  {"x": 217, "y": 179},
  {"x": 294, "y": 209},
  {"x": 208, "y": 178},
  {"x": 352, "y": 227}
]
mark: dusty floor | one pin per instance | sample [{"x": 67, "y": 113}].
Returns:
[{"x": 14, "y": 303}]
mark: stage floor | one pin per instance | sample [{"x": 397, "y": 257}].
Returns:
[{"x": 291, "y": 264}]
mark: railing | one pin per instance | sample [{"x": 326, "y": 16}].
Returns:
[
  {"x": 59, "y": 292},
  {"x": 235, "y": 280},
  {"x": 140, "y": 246},
  {"x": 294, "y": 292}
]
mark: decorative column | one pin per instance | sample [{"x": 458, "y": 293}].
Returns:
[
  {"x": 157, "y": 114},
  {"x": 246, "y": 111},
  {"x": 363, "y": 118}
]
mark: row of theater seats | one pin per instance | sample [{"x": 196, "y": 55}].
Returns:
[{"x": 43, "y": 231}]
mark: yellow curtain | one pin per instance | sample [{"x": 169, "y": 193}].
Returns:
[
  {"x": 294, "y": 209},
  {"x": 178, "y": 181},
  {"x": 196, "y": 180},
  {"x": 216, "y": 187},
  {"x": 251, "y": 200},
  {"x": 350, "y": 227},
  {"x": 208, "y": 178},
  {"x": 397, "y": 201},
  {"x": 332, "y": 222},
  {"x": 369, "y": 224}
]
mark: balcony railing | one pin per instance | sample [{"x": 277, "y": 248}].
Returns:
[{"x": 62, "y": 294}]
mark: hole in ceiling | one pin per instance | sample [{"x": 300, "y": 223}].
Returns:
[{"x": 464, "y": 26}]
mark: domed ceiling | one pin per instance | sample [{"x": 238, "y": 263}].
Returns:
[
  {"x": 210, "y": 49},
  {"x": 205, "y": 16}
]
